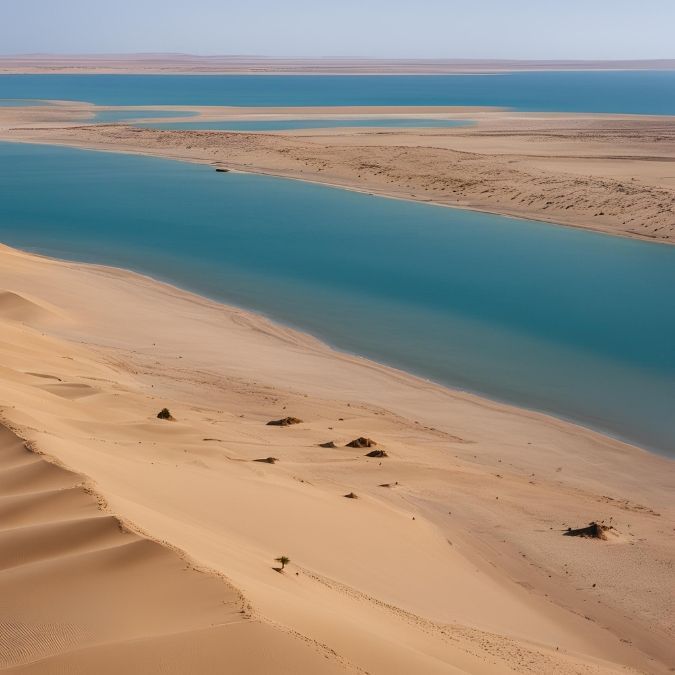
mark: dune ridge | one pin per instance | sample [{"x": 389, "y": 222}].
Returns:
[
  {"x": 18, "y": 308},
  {"x": 81, "y": 590}
]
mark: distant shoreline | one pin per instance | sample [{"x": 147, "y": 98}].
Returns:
[{"x": 186, "y": 64}]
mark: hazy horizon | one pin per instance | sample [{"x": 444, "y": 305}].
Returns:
[
  {"x": 346, "y": 57},
  {"x": 392, "y": 29}
]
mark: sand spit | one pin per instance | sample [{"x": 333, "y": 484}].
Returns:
[
  {"x": 461, "y": 566},
  {"x": 608, "y": 173}
]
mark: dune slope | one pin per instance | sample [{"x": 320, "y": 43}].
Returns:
[
  {"x": 82, "y": 593},
  {"x": 451, "y": 559}
]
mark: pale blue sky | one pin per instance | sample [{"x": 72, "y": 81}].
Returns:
[{"x": 370, "y": 28}]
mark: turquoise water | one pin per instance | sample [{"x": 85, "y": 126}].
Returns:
[
  {"x": 570, "y": 322},
  {"x": 285, "y": 125},
  {"x": 650, "y": 92},
  {"x": 19, "y": 102},
  {"x": 125, "y": 115}
]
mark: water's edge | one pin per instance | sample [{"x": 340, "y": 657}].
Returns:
[
  {"x": 194, "y": 296},
  {"x": 184, "y": 286}
]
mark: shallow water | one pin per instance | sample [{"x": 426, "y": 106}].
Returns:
[
  {"x": 578, "y": 324},
  {"x": 286, "y": 125},
  {"x": 103, "y": 116},
  {"x": 651, "y": 92}
]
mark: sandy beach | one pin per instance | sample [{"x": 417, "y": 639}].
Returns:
[
  {"x": 451, "y": 559},
  {"x": 609, "y": 173}
]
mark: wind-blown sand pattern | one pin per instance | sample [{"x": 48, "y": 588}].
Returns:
[
  {"x": 83, "y": 593},
  {"x": 143, "y": 545},
  {"x": 608, "y": 173}
]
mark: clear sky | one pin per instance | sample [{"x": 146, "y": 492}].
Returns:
[{"x": 536, "y": 29}]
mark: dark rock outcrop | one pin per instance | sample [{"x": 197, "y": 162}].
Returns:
[
  {"x": 361, "y": 442},
  {"x": 591, "y": 531},
  {"x": 284, "y": 422},
  {"x": 377, "y": 453}
]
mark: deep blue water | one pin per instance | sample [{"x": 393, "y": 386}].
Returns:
[
  {"x": 570, "y": 322},
  {"x": 617, "y": 91},
  {"x": 285, "y": 125}
]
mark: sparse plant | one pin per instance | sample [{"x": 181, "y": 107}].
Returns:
[{"x": 283, "y": 561}]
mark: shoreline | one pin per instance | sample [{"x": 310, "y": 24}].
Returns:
[
  {"x": 304, "y": 336},
  {"x": 310, "y": 73},
  {"x": 391, "y": 195},
  {"x": 444, "y": 446},
  {"x": 350, "y": 188},
  {"x": 341, "y": 186},
  {"x": 519, "y": 185},
  {"x": 189, "y": 64}
]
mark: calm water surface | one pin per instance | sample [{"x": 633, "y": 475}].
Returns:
[
  {"x": 126, "y": 115},
  {"x": 574, "y": 323},
  {"x": 647, "y": 92}
]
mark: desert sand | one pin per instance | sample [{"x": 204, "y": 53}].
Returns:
[
  {"x": 609, "y": 173},
  {"x": 193, "y": 64},
  {"x": 141, "y": 545}
]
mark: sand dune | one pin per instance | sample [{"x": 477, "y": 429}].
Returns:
[
  {"x": 81, "y": 593},
  {"x": 459, "y": 566},
  {"x": 71, "y": 390},
  {"x": 17, "y": 308}
]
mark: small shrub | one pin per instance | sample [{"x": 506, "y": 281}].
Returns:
[{"x": 283, "y": 561}]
